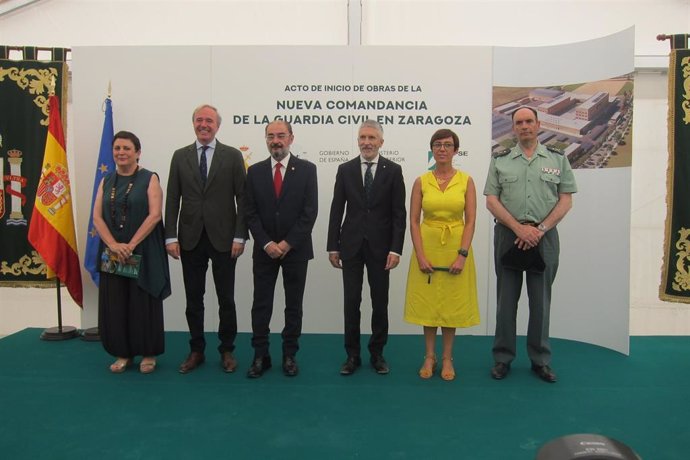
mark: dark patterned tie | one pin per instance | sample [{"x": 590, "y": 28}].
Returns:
[
  {"x": 203, "y": 169},
  {"x": 368, "y": 181}
]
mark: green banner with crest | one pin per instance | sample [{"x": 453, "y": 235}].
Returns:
[
  {"x": 675, "y": 275},
  {"x": 24, "y": 90}
]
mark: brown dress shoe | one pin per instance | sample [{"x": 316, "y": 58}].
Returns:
[
  {"x": 545, "y": 373},
  {"x": 228, "y": 361},
  {"x": 259, "y": 366},
  {"x": 194, "y": 360},
  {"x": 350, "y": 365},
  {"x": 378, "y": 362},
  {"x": 500, "y": 370},
  {"x": 290, "y": 368}
]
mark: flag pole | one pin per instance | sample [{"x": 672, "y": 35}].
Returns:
[
  {"x": 60, "y": 332},
  {"x": 105, "y": 164},
  {"x": 59, "y": 303}
]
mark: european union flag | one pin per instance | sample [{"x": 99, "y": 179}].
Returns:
[{"x": 104, "y": 166}]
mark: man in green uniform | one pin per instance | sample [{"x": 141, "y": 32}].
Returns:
[{"x": 529, "y": 191}]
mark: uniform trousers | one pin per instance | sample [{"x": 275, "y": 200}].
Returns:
[{"x": 509, "y": 288}]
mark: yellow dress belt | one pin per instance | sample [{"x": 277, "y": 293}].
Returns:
[{"x": 445, "y": 227}]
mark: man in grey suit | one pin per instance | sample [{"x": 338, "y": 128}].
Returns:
[{"x": 202, "y": 223}]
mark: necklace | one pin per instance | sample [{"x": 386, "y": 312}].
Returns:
[
  {"x": 123, "y": 216},
  {"x": 443, "y": 179}
]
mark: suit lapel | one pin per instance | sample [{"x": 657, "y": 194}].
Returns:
[
  {"x": 192, "y": 161},
  {"x": 356, "y": 177},
  {"x": 265, "y": 176},
  {"x": 288, "y": 175},
  {"x": 381, "y": 171}
]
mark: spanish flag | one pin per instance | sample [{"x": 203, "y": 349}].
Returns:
[{"x": 51, "y": 230}]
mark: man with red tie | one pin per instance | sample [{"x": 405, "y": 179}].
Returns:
[{"x": 281, "y": 204}]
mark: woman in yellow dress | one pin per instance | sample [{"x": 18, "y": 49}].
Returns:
[{"x": 442, "y": 282}]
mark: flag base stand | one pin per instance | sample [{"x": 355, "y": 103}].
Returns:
[
  {"x": 59, "y": 333},
  {"x": 91, "y": 335}
]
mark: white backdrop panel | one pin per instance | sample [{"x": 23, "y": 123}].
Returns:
[
  {"x": 155, "y": 92},
  {"x": 156, "y": 88},
  {"x": 591, "y": 297}
]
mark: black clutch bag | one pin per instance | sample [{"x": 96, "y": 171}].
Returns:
[{"x": 523, "y": 259}]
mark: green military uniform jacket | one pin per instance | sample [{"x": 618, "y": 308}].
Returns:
[{"x": 529, "y": 189}]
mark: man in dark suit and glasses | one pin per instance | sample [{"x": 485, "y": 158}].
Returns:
[
  {"x": 202, "y": 223},
  {"x": 281, "y": 205},
  {"x": 370, "y": 192}
]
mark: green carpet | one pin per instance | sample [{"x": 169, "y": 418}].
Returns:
[{"x": 58, "y": 401}]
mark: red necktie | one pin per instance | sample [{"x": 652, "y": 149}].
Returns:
[{"x": 277, "y": 180}]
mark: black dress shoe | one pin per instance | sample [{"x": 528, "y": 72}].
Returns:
[
  {"x": 290, "y": 366},
  {"x": 379, "y": 364},
  {"x": 194, "y": 360},
  {"x": 350, "y": 365},
  {"x": 545, "y": 373},
  {"x": 259, "y": 366},
  {"x": 500, "y": 370}
]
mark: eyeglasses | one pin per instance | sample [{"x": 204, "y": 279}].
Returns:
[
  {"x": 446, "y": 145},
  {"x": 280, "y": 137}
]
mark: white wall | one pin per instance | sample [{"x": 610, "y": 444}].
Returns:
[
  {"x": 648, "y": 314},
  {"x": 385, "y": 22}
]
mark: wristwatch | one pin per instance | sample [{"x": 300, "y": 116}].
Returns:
[
  {"x": 542, "y": 228},
  {"x": 463, "y": 252}
]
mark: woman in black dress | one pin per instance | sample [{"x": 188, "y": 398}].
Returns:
[{"x": 127, "y": 215}]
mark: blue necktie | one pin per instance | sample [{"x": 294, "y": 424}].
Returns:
[{"x": 203, "y": 169}]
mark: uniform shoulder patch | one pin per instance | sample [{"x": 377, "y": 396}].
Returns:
[
  {"x": 500, "y": 153},
  {"x": 554, "y": 150}
]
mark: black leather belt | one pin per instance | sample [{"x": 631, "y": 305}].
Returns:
[{"x": 531, "y": 224}]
